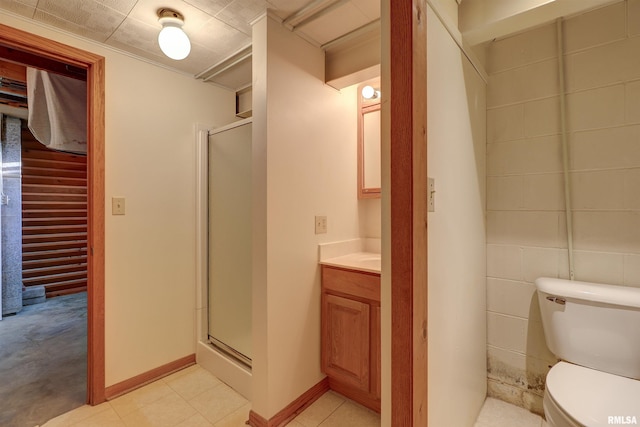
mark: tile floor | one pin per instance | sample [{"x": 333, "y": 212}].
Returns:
[
  {"x": 195, "y": 398},
  {"x": 496, "y": 413}
]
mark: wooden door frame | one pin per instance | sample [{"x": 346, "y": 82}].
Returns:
[
  {"x": 408, "y": 195},
  {"x": 22, "y": 42}
]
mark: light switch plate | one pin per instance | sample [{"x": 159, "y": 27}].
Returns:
[
  {"x": 117, "y": 206},
  {"x": 321, "y": 224},
  {"x": 431, "y": 194}
]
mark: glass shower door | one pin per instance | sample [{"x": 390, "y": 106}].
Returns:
[{"x": 230, "y": 240}]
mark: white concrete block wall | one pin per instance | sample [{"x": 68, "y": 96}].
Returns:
[{"x": 526, "y": 227}]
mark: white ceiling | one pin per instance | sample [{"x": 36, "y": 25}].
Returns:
[{"x": 217, "y": 28}]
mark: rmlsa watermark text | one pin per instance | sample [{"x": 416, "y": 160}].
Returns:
[{"x": 622, "y": 420}]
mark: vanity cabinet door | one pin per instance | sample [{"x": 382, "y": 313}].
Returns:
[{"x": 346, "y": 340}]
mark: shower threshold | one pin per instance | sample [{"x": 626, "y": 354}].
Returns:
[{"x": 229, "y": 351}]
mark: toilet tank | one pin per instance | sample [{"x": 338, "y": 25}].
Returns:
[{"x": 591, "y": 324}]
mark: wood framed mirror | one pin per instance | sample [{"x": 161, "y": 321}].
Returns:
[{"x": 369, "y": 177}]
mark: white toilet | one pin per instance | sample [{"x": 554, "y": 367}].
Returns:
[{"x": 595, "y": 330}]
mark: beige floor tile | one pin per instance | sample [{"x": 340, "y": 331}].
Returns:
[
  {"x": 195, "y": 421},
  {"x": 77, "y": 415},
  {"x": 192, "y": 383},
  {"x": 320, "y": 410},
  {"x": 108, "y": 418},
  {"x": 217, "y": 403},
  {"x": 236, "y": 419},
  {"x": 294, "y": 423},
  {"x": 352, "y": 415},
  {"x": 496, "y": 413},
  {"x": 182, "y": 372},
  {"x": 169, "y": 411},
  {"x": 141, "y": 397}
]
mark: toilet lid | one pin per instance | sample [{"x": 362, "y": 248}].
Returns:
[{"x": 594, "y": 398}]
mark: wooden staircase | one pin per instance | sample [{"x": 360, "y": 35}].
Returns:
[{"x": 54, "y": 218}]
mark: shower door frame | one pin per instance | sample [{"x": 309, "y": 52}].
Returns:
[
  {"x": 218, "y": 344},
  {"x": 228, "y": 369}
]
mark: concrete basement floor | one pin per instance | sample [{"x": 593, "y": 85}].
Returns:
[{"x": 43, "y": 361}]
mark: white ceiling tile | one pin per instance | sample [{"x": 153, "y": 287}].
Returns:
[
  {"x": 72, "y": 27},
  {"x": 94, "y": 18},
  {"x": 142, "y": 40},
  {"x": 335, "y": 23},
  {"x": 24, "y": 7},
  {"x": 200, "y": 59},
  {"x": 210, "y": 7},
  {"x": 122, "y": 6},
  {"x": 219, "y": 37},
  {"x": 285, "y": 8},
  {"x": 146, "y": 11},
  {"x": 240, "y": 13},
  {"x": 370, "y": 8},
  {"x": 138, "y": 36},
  {"x": 217, "y": 28}
]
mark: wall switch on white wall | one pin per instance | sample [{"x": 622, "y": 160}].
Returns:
[
  {"x": 117, "y": 206},
  {"x": 321, "y": 224},
  {"x": 431, "y": 194}
]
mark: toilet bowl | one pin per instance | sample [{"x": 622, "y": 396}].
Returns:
[
  {"x": 576, "y": 396},
  {"x": 595, "y": 330}
]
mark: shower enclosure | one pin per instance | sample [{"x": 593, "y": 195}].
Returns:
[{"x": 229, "y": 240}]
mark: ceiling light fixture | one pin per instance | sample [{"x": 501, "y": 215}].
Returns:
[{"x": 173, "y": 41}]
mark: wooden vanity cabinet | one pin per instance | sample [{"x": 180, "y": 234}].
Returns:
[{"x": 351, "y": 334}]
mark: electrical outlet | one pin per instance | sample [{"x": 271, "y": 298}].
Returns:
[
  {"x": 117, "y": 206},
  {"x": 321, "y": 224}
]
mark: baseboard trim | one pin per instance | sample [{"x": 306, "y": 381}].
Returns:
[
  {"x": 292, "y": 409},
  {"x": 145, "y": 378}
]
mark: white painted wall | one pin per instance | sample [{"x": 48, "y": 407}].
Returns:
[
  {"x": 150, "y": 160},
  {"x": 304, "y": 145},
  {"x": 448, "y": 8},
  {"x": 456, "y": 160}
]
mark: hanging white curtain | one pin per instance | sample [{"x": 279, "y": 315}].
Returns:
[{"x": 57, "y": 110}]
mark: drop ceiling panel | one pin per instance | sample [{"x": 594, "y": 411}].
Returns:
[
  {"x": 219, "y": 37},
  {"x": 138, "y": 38},
  {"x": 142, "y": 40},
  {"x": 25, "y": 8},
  {"x": 146, "y": 11},
  {"x": 210, "y": 7},
  {"x": 217, "y": 28},
  {"x": 122, "y": 6},
  {"x": 72, "y": 27},
  {"x": 89, "y": 17},
  {"x": 371, "y": 9},
  {"x": 241, "y": 13},
  {"x": 335, "y": 23},
  {"x": 285, "y": 8}
]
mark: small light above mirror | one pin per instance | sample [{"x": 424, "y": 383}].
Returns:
[{"x": 369, "y": 92}]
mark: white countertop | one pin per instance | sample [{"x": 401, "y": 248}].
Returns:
[{"x": 362, "y": 261}]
